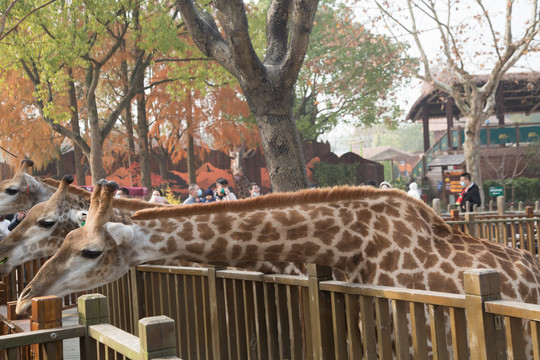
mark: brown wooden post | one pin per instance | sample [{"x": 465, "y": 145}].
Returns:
[
  {"x": 157, "y": 337},
  {"x": 473, "y": 228},
  {"x": 46, "y": 314},
  {"x": 500, "y": 205},
  {"x": 449, "y": 120},
  {"x": 137, "y": 298},
  {"x": 217, "y": 312},
  {"x": 454, "y": 216},
  {"x": 11, "y": 314},
  {"x": 425, "y": 122},
  {"x": 486, "y": 332},
  {"x": 93, "y": 309},
  {"x": 460, "y": 140},
  {"x": 3, "y": 297},
  {"x": 320, "y": 305},
  {"x": 517, "y": 134},
  {"x": 529, "y": 212}
]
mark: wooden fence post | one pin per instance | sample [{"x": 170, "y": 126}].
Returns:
[
  {"x": 529, "y": 212},
  {"x": 137, "y": 298},
  {"x": 537, "y": 205},
  {"x": 217, "y": 313},
  {"x": 93, "y": 310},
  {"x": 437, "y": 206},
  {"x": 157, "y": 337},
  {"x": 320, "y": 305},
  {"x": 490, "y": 209},
  {"x": 471, "y": 226},
  {"x": 46, "y": 314},
  {"x": 486, "y": 332},
  {"x": 500, "y": 205}
]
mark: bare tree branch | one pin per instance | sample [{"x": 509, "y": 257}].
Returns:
[{"x": 10, "y": 7}]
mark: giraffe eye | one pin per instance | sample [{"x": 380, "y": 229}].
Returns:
[
  {"x": 12, "y": 191},
  {"x": 91, "y": 254},
  {"x": 47, "y": 224}
]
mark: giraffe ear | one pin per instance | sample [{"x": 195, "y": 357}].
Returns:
[
  {"x": 119, "y": 232},
  {"x": 32, "y": 183}
]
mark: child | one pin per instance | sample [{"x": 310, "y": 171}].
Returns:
[{"x": 209, "y": 196}]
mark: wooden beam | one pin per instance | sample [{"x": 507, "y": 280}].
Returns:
[{"x": 425, "y": 122}]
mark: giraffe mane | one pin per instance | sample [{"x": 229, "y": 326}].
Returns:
[{"x": 276, "y": 200}]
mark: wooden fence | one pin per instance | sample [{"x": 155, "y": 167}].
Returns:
[
  {"x": 302, "y": 318},
  {"x": 97, "y": 338}
]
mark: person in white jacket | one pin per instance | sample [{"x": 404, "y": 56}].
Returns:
[{"x": 413, "y": 190}]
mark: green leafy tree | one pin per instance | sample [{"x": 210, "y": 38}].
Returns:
[{"x": 349, "y": 75}]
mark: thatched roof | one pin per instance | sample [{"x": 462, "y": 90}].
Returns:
[{"x": 520, "y": 93}]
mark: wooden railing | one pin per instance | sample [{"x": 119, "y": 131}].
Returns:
[
  {"x": 290, "y": 317},
  {"x": 98, "y": 339}
]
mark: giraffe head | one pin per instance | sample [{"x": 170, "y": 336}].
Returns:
[
  {"x": 239, "y": 156},
  {"x": 21, "y": 192},
  {"x": 85, "y": 258},
  {"x": 45, "y": 226}
]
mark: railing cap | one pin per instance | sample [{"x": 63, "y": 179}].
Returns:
[{"x": 482, "y": 282}]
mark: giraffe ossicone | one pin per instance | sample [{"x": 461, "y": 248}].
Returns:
[{"x": 373, "y": 236}]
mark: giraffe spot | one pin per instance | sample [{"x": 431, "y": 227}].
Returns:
[
  {"x": 441, "y": 230},
  {"x": 377, "y": 246},
  {"x": 223, "y": 223},
  {"x": 187, "y": 232},
  {"x": 205, "y": 232},
  {"x": 431, "y": 261},
  {"x": 346, "y": 216},
  {"x": 195, "y": 248},
  {"x": 326, "y": 230},
  {"x": 526, "y": 275},
  {"x": 487, "y": 260},
  {"x": 401, "y": 228},
  {"x": 363, "y": 215},
  {"x": 447, "y": 268},
  {"x": 218, "y": 249},
  {"x": 531, "y": 297},
  {"x": 268, "y": 233},
  {"x": 368, "y": 272},
  {"x": 274, "y": 249},
  {"x": 425, "y": 243},
  {"x": 236, "y": 251},
  {"x": 242, "y": 235},
  {"x": 506, "y": 286},
  {"x": 381, "y": 223},
  {"x": 202, "y": 218},
  {"x": 321, "y": 211},
  {"x": 409, "y": 262},
  {"x": 251, "y": 250},
  {"x": 298, "y": 232},
  {"x": 463, "y": 260},
  {"x": 325, "y": 258},
  {"x": 152, "y": 224},
  {"x": 414, "y": 219},
  {"x": 405, "y": 280},
  {"x": 171, "y": 245},
  {"x": 442, "y": 248},
  {"x": 360, "y": 228},
  {"x": 305, "y": 249},
  {"x": 385, "y": 280},
  {"x": 292, "y": 217},
  {"x": 251, "y": 221},
  {"x": 348, "y": 242},
  {"x": 156, "y": 239},
  {"x": 390, "y": 260},
  {"x": 439, "y": 282}
]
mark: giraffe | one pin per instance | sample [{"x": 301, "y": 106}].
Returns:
[
  {"x": 23, "y": 191},
  {"x": 238, "y": 156},
  {"x": 42, "y": 231},
  {"x": 374, "y": 236}
]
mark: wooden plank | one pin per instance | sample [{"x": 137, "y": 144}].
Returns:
[
  {"x": 401, "y": 329},
  {"x": 249, "y": 318},
  {"x": 418, "y": 330},
  {"x": 41, "y": 336},
  {"x": 260, "y": 321},
  {"x": 353, "y": 332},
  {"x": 338, "y": 325},
  {"x": 459, "y": 333},
  {"x": 307, "y": 331},
  {"x": 535, "y": 336},
  {"x": 190, "y": 319},
  {"x": 116, "y": 339},
  {"x": 231, "y": 328},
  {"x": 293, "y": 303},
  {"x": 271, "y": 324},
  {"x": 283, "y": 322},
  {"x": 218, "y": 324},
  {"x": 199, "y": 316},
  {"x": 182, "y": 327},
  {"x": 438, "y": 332},
  {"x": 384, "y": 328},
  {"x": 514, "y": 338}
]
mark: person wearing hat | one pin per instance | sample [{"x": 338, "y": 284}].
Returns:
[
  {"x": 385, "y": 185},
  {"x": 209, "y": 196}
]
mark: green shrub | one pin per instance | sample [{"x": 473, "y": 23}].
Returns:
[
  {"x": 525, "y": 189},
  {"x": 326, "y": 174}
]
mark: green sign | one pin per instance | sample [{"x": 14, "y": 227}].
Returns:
[{"x": 496, "y": 191}]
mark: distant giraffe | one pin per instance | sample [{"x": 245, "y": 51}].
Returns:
[
  {"x": 238, "y": 157},
  {"x": 23, "y": 191}
]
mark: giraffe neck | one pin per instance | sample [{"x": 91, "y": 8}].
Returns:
[{"x": 242, "y": 186}]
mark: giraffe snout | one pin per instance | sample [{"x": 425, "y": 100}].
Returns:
[{"x": 25, "y": 300}]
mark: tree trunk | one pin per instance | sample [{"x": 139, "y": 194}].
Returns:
[
  {"x": 144, "y": 154},
  {"x": 128, "y": 118},
  {"x": 96, "y": 140},
  {"x": 190, "y": 144},
  {"x": 163, "y": 168},
  {"x": 74, "y": 122},
  {"x": 273, "y": 110},
  {"x": 471, "y": 150}
]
